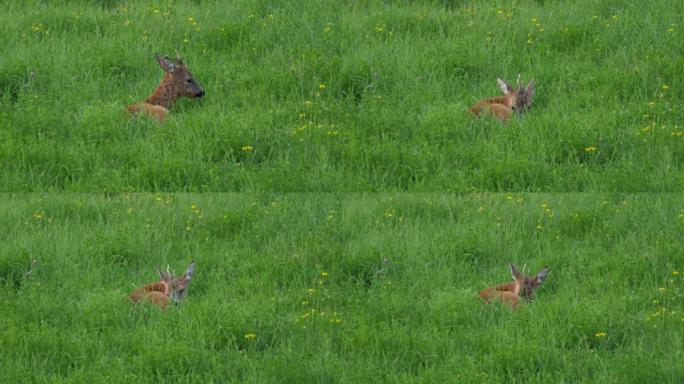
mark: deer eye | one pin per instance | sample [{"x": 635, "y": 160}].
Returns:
[{"x": 189, "y": 81}]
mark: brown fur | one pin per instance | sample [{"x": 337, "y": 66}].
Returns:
[
  {"x": 514, "y": 100},
  {"x": 521, "y": 287},
  {"x": 168, "y": 288},
  {"x": 177, "y": 82},
  {"x": 156, "y": 293}
]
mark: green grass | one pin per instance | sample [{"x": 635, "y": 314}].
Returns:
[
  {"x": 399, "y": 77},
  {"x": 328, "y": 96},
  {"x": 260, "y": 262}
]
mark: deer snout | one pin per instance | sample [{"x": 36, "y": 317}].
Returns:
[{"x": 200, "y": 93}]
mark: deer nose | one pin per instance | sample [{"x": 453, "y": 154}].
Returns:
[{"x": 200, "y": 94}]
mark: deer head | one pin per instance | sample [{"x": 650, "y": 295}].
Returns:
[
  {"x": 525, "y": 286},
  {"x": 521, "y": 98},
  {"x": 178, "y": 77},
  {"x": 177, "y": 286}
]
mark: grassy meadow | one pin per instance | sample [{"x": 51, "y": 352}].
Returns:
[
  {"x": 293, "y": 288},
  {"x": 312, "y": 186},
  {"x": 334, "y": 96}
]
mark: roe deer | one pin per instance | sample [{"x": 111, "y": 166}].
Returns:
[
  {"x": 521, "y": 287},
  {"x": 177, "y": 82},
  {"x": 169, "y": 287},
  {"x": 514, "y": 100}
]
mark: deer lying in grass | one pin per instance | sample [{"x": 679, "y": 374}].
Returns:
[
  {"x": 177, "y": 82},
  {"x": 169, "y": 287},
  {"x": 521, "y": 287},
  {"x": 513, "y": 100}
]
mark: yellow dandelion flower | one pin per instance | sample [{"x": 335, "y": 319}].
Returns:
[
  {"x": 247, "y": 148},
  {"x": 250, "y": 336},
  {"x": 600, "y": 334},
  {"x": 324, "y": 274},
  {"x": 666, "y": 87},
  {"x": 321, "y": 86},
  {"x": 675, "y": 273},
  {"x": 590, "y": 149}
]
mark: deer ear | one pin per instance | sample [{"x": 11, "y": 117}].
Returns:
[
  {"x": 505, "y": 87},
  {"x": 166, "y": 63},
  {"x": 530, "y": 88},
  {"x": 516, "y": 274},
  {"x": 541, "y": 276},
  {"x": 187, "y": 275}
]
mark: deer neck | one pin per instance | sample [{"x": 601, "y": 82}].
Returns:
[
  {"x": 164, "y": 94},
  {"x": 516, "y": 288},
  {"x": 165, "y": 288}
]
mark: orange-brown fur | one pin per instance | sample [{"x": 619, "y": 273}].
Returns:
[
  {"x": 177, "y": 82},
  {"x": 499, "y": 107},
  {"x": 168, "y": 288},
  {"x": 507, "y": 293},
  {"x": 502, "y": 107},
  {"x": 156, "y": 293},
  {"x": 522, "y": 287}
]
